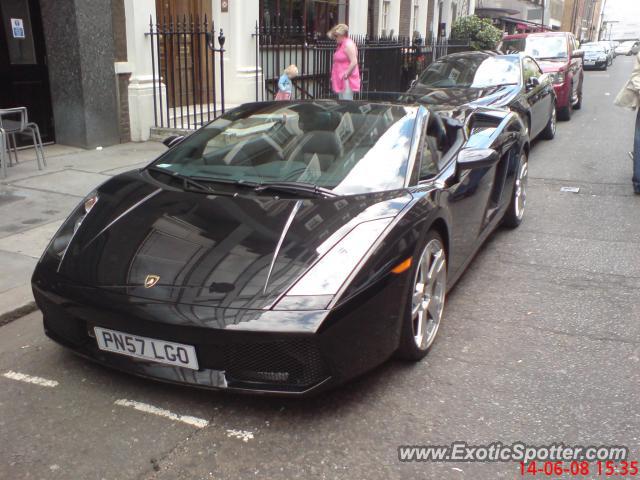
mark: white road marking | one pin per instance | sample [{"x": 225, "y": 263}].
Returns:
[
  {"x": 22, "y": 377},
  {"x": 161, "y": 412},
  {"x": 243, "y": 435}
]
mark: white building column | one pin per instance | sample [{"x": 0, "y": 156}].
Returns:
[
  {"x": 423, "y": 10},
  {"x": 238, "y": 25},
  {"x": 141, "y": 91},
  {"x": 358, "y": 12}
]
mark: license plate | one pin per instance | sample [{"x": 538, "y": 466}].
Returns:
[
  {"x": 170, "y": 353},
  {"x": 590, "y": 62}
]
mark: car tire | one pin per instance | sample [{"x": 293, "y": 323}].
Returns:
[
  {"x": 549, "y": 131},
  {"x": 564, "y": 113},
  {"x": 578, "y": 104},
  {"x": 515, "y": 212},
  {"x": 426, "y": 299}
]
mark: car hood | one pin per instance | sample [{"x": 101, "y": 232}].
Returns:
[
  {"x": 552, "y": 66},
  {"x": 592, "y": 54},
  {"x": 240, "y": 251},
  {"x": 452, "y": 99}
]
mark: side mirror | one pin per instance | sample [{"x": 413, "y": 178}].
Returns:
[
  {"x": 577, "y": 54},
  {"x": 532, "y": 83},
  {"x": 172, "y": 140},
  {"x": 471, "y": 158}
]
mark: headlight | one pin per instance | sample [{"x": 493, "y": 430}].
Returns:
[
  {"x": 602, "y": 58},
  {"x": 332, "y": 270},
  {"x": 557, "y": 77},
  {"x": 63, "y": 237}
]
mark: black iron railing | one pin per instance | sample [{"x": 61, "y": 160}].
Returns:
[
  {"x": 387, "y": 64},
  {"x": 188, "y": 71}
]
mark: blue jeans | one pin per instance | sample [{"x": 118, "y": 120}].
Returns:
[{"x": 636, "y": 156}]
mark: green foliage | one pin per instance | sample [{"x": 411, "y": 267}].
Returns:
[{"x": 479, "y": 32}]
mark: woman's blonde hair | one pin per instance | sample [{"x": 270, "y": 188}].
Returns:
[
  {"x": 291, "y": 70},
  {"x": 340, "y": 29}
]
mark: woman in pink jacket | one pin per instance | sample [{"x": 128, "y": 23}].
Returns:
[{"x": 345, "y": 75}]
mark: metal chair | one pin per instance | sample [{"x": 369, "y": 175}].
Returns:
[
  {"x": 4, "y": 149},
  {"x": 15, "y": 121}
]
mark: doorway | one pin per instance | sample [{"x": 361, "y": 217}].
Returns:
[
  {"x": 24, "y": 76},
  {"x": 184, "y": 52}
]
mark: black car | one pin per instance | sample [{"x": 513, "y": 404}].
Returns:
[
  {"x": 286, "y": 246},
  {"x": 456, "y": 82},
  {"x": 595, "y": 56}
]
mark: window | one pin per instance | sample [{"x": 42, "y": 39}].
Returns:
[
  {"x": 546, "y": 46},
  {"x": 349, "y": 148},
  {"x": 317, "y": 16},
  {"x": 19, "y": 36},
  {"x": 386, "y": 7},
  {"x": 475, "y": 70},
  {"x": 416, "y": 14},
  {"x": 530, "y": 69},
  {"x": 434, "y": 146}
]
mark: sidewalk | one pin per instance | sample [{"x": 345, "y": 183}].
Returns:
[{"x": 33, "y": 204}]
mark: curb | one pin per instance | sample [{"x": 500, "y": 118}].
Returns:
[{"x": 17, "y": 313}]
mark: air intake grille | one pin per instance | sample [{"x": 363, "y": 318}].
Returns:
[{"x": 287, "y": 362}]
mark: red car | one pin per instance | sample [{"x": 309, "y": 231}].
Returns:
[{"x": 559, "y": 55}]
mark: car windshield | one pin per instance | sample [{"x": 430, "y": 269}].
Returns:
[
  {"x": 550, "y": 47},
  {"x": 475, "y": 71},
  {"x": 349, "y": 147},
  {"x": 593, "y": 48}
]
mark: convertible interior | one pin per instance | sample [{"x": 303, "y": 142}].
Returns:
[{"x": 311, "y": 144}]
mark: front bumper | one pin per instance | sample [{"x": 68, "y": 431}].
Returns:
[
  {"x": 596, "y": 64},
  {"x": 293, "y": 361},
  {"x": 562, "y": 94}
]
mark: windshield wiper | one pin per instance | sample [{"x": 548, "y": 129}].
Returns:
[
  {"x": 294, "y": 187},
  {"x": 186, "y": 180}
]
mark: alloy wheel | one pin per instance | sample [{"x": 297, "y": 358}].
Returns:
[
  {"x": 427, "y": 303},
  {"x": 521, "y": 187}
]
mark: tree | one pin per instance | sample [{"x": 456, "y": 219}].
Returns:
[{"x": 479, "y": 32}]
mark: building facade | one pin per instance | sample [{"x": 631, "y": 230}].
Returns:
[
  {"x": 583, "y": 18},
  {"x": 523, "y": 15},
  {"x": 90, "y": 82}
]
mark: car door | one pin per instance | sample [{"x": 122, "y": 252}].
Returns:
[
  {"x": 465, "y": 194},
  {"x": 575, "y": 66},
  {"x": 537, "y": 96}
]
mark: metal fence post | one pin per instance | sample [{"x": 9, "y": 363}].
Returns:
[{"x": 221, "y": 40}]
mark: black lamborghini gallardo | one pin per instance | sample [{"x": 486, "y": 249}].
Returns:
[{"x": 286, "y": 246}]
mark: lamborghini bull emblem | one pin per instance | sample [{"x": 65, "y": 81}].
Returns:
[{"x": 151, "y": 280}]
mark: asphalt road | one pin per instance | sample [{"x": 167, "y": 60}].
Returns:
[{"x": 540, "y": 343}]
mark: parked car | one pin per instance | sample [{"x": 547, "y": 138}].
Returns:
[
  {"x": 462, "y": 80},
  {"x": 608, "y": 48},
  {"x": 286, "y": 246},
  {"x": 595, "y": 56},
  {"x": 625, "y": 47},
  {"x": 558, "y": 54}
]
